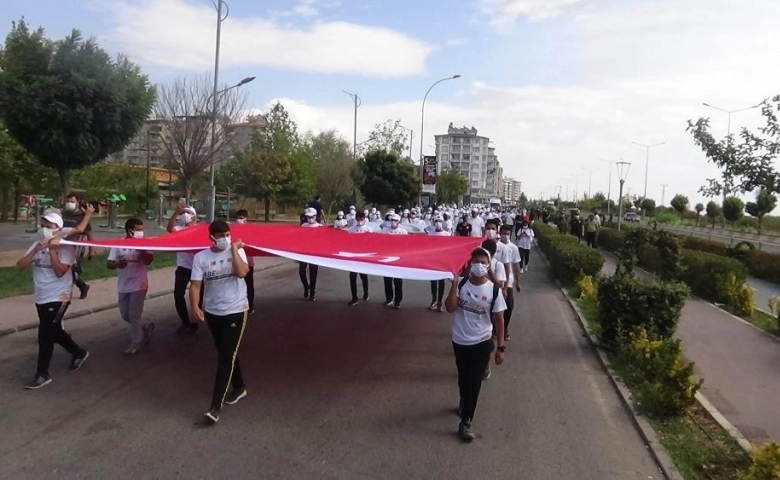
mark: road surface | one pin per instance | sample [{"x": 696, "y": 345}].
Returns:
[
  {"x": 334, "y": 392},
  {"x": 766, "y": 243}
]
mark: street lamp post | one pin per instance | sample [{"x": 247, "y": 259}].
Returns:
[
  {"x": 647, "y": 159},
  {"x": 358, "y": 102},
  {"x": 422, "y": 120},
  {"x": 411, "y": 138},
  {"x": 622, "y": 170},
  {"x": 218, "y": 4},
  {"x": 590, "y": 178},
  {"x": 728, "y": 136},
  {"x": 609, "y": 188}
]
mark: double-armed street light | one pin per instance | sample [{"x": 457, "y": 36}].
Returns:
[{"x": 422, "y": 121}]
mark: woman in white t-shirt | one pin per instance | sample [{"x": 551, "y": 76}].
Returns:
[
  {"x": 525, "y": 239},
  {"x": 478, "y": 306},
  {"x": 219, "y": 272},
  {"x": 132, "y": 284}
]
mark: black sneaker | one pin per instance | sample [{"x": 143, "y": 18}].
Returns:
[
  {"x": 353, "y": 302},
  {"x": 84, "y": 292},
  {"x": 183, "y": 329},
  {"x": 77, "y": 362},
  {"x": 487, "y": 373},
  {"x": 465, "y": 432},
  {"x": 365, "y": 296},
  {"x": 37, "y": 382},
  {"x": 192, "y": 328},
  {"x": 212, "y": 415},
  {"x": 305, "y": 293},
  {"x": 312, "y": 297},
  {"x": 233, "y": 397}
]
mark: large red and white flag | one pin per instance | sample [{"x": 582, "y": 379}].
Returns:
[{"x": 412, "y": 257}]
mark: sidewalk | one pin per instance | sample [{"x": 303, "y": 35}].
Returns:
[
  {"x": 18, "y": 313},
  {"x": 739, "y": 364}
]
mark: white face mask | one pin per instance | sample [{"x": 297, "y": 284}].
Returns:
[
  {"x": 241, "y": 220},
  {"x": 186, "y": 218},
  {"x": 491, "y": 234},
  {"x": 70, "y": 205},
  {"x": 361, "y": 222},
  {"x": 138, "y": 234},
  {"x": 479, "y": 269},
  {"x": 438, "y": 225},
  {"x": 47, "y": 232},
  {"x": 221, "y": 243},
  {"x": 504, "y": 238}
]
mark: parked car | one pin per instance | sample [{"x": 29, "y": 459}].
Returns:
[{"x": 631, "y": 217}]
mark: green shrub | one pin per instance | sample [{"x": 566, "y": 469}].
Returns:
[
  {"x": 661, "y": 381},
  {"x": 703, "y": 245},
  {"x": 667, "y": 217},
  {"x": 705, "y": 273},
  {"x": 648, "y": 257},
  {"x": 611, "y": 239},
  {"x": 763, "y": 265},
  {"x": 765, "y": 465},
  {"x": 570, "y": 260},
  {"x": 626, "y": 302}
]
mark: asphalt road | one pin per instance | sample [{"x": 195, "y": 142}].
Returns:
[
  {"x": 334, "y": 392},
  {"x": 767, "y": 244}
]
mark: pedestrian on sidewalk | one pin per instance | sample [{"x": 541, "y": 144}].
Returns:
[
  {"x": 310, "y": 283},
  {"x": 513, "y": 275},
  {"x": 183, "y": 273},
  {"x": 218, "y": 273},
  {"x": 132, "y": 283},
  {"x": 72, "y": 215},
  {"x": 359, "y": 227},
  {"x": 241, "y": 217},
  {"x": 53, "y": 281},
  {"x": 591, "y": 230},
  {"x": 524, "y": 242},
  {"x": 478, "y": 306}
]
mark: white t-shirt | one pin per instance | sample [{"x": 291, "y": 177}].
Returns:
[
  {"x": 499, "y": 270},
  {"x": 396, "y": 231},
  {"x": 183, "y": 259},
  {"x": 311, "y": 225},
  {"x": 133, "y": 277},
  {"x": 340, "y": 223},
  {"x": 434, "y": 233},
  {"x": 525, "y": 238},
  {"x": 360, "y": 229},
  {"x": 48, "y": 286},
  {"x": 512, "y": 257},
  {"x": 477, "y": 226},
  {"x": 473, "y": 322},
  {"x": 223, "y": 292}
]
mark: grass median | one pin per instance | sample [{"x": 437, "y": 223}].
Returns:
[
  {"x": 699, "y": 447},
  {"x": 14, "y": 283}
]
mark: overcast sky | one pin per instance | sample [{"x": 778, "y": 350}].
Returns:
[{"x": 557, "y": 84}]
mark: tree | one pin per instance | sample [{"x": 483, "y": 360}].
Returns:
[
  {"x": 184, "y": 110},
  {"x": 648, "y": 206},
  {"x": 713, "y": 212},
  {"x": 301, "y": 182},
  {"x": 680, "y": 204},
  {"x": 522, "y": 201},
  {"x": 334, "y": 167},
  {"x": 390, "y": 136},
  {"x": 449, "y": 186},
  {"x": 67, "y": 102},
  {"x": 733, "y": 209},
  {"x": 699, "y": 208},
  {"x": 389, "y": 180},
  {"x": 98, "y": 181},
  {"x": 268, "y": 157},
  {"x": 764, "y": 204}
]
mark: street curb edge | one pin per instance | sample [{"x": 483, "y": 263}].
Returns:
[{"x": 103, "y": 308}]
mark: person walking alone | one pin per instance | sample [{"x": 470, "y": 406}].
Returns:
[
  {"x": 219, "y": 273},
  {"x": 591, "y": 230},
  {"x": 525, "y": 240},
  {"x": 478, "y": 306}
]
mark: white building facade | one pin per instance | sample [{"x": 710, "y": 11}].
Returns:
[
  {"x": 511, "y": 190},
  {"x": 462, "y": 149}
]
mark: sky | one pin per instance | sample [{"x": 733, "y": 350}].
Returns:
[{"x": 561, "y": 86}]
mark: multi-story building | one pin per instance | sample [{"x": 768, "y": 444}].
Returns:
[
  {"x": 145, "y": 145},
  {"x": 511, "y": 190},
  {"x": 462, "y": 149}
]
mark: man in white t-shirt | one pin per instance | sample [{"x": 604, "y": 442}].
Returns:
[
  {"x": 512, "y": 259},
  {"x": 189, "y": 217},
  {"x": 394, "y": 287},
  {"x": 310, "y": 283},
  {"x": 132, "y": 284},
  {"x": 478, "y": 306},
  {"x": 437, "y": 286},
  {"x": 219, "y": 274},
  {"x": 477, "y": 224},
  {"x": 525, "y": 239},
  {"x": 53, "y": 281}
]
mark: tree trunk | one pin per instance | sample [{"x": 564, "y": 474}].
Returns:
[
  {"x": 63, "y": 185},
  {"x": 16, "y": 201},
  {"x": 4, "y": 190},
  {"x": 760, "y": 218},
  {"x": 267, "y": 202},
  {"x": 697, "y": 220},
  {"x": 187, "y": 189}
]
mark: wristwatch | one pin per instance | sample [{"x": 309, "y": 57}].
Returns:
[{"x": 501, "y": 348}]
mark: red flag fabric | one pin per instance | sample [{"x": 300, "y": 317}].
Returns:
[{"x": 412, "y": 257}]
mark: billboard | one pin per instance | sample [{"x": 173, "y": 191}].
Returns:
[{"x": 429, "y": 174}]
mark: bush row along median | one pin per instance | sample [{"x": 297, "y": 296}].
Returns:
[{"x": 636, "y": 320}]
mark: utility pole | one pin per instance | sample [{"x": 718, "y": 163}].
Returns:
[
  {"x": 663, "y": 192},
  {"x": 356, "y": 99}
]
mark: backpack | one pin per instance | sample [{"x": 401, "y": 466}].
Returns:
[{"x": 496, "y": 291}]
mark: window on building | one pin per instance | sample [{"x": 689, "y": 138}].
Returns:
[
  {"x": 466, "y": 156},
  {"x": 445, "y": 139},
  {"x": 455, "y": 156},
  {"x": 456, "y": 140},
  {"x": 467, "y": 141},
  {"x": 445, "y": 148}
]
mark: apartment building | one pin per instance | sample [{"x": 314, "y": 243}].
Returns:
[
  {"x": 464, "y": 150},
  {"x": 511, "y": 190}
]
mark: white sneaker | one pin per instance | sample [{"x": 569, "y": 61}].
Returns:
[{"x": 132, "y": 349}]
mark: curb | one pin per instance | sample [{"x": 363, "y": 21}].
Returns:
[
  {"x": 103, "y": 308},
  {"x": 657, "y": 451}
]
